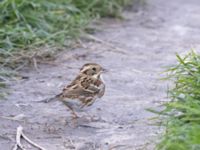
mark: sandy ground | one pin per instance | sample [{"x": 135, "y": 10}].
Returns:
[{"x": 146, "y": 43}]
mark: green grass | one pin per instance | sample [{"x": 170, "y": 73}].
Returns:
[
  {"x": 27, "y": 25},
  {"x": 32, "y": 31},
  {"x": 181, "y": 116}
]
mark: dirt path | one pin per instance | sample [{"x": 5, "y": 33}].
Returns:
[{"x": 148, "y": 40}]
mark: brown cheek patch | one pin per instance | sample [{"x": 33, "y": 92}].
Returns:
[{"x": 98, "y": 83}]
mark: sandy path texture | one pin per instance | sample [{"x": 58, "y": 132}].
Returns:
[{"x": 135, "y": 50}]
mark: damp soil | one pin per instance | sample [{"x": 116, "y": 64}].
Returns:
[{"x": 136, "y": 50}]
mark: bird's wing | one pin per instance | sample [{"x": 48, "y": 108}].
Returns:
[
  {"x": 88, "y": 84},
  {"x": 82, "y": 85},
  {"x": 71, "y": 92}
]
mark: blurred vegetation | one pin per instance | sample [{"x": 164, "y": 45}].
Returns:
[
  {"x": 27, "y": 25},
  {"x": 181, "y": 116},
  {"x": 35, "y": 30}
]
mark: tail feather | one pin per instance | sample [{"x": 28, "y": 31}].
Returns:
[{"x": 47, "y": 100}]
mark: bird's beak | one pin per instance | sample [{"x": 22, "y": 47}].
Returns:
[{"x": 104, "y": 70}]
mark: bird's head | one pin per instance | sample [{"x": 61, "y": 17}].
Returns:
[{"x": 92, "y": 69}]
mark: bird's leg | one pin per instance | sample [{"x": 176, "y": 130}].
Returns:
[
  {"x": 74, "y": 115},
  {"x": 71, "y": 109}
]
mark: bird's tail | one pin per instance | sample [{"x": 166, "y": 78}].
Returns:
[{"x": 47, "y": 100}]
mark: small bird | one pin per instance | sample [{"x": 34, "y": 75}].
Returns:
[{"x": 84, "y": 89}]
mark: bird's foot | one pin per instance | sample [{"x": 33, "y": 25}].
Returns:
[
  {"x": 92, "y": 118},
  {"x": 74, "y": 119}
]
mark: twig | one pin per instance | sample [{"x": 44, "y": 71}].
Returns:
[
  {"x": 11, "y": 118},
  {"x": 4, "y": 79},
  {"x": 116, "y": 146},
  {"x": 5, "y": 137},
  {"x": 35, "y": 64},
  {"x": 18, "y": 139},
  {"x": 20, "y": 135},
  {"x": 15, "y": 147},
  {"x": 31, "y": 142}
]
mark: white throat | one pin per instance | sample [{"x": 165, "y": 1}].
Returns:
[
  {"x": 96, "y": 76},
  {"x": 100, "y": 77}
]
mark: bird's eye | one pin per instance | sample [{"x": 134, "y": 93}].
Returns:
[{"x": 94, "y": 69}]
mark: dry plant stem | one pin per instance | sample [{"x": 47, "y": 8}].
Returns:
[
  {"x": 74, "y": 115},
  {"x": 5, "y": 137},
  {"x": 18, "y": 139},
  {"x": 11, "y": 118},
  {"x": 116, "y": 146},
  {"x": 35, "y": 64},
  {"x": 20, "y": 135},
  {"x": 117, "y": 49},
  {"x": 32, "y": 143}
]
